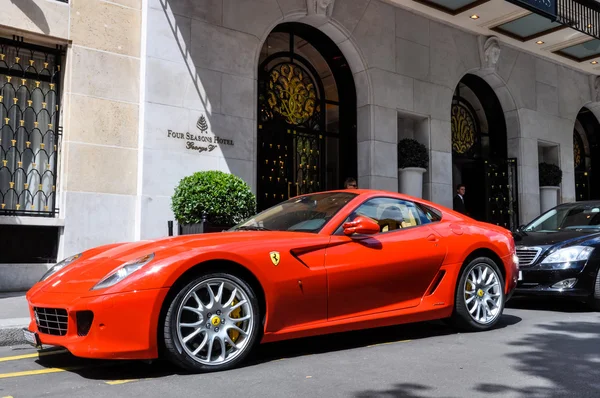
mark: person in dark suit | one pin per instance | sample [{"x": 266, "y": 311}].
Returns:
[{"x": 459, "y": 199}]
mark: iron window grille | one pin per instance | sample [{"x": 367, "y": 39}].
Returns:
[
  {"x": 581, "y": 15},
  {"x": 29, "y": 128}
]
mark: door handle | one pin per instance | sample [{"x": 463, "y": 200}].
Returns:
[{"x": 432, "y": 238}]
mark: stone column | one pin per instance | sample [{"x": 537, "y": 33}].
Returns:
[
  {"x": 101, "y": 94},
  {"x": 377, "y": 148}
]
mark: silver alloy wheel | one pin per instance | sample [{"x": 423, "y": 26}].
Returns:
[
  {"x": 214, "y": 327},
  {"x": 483, "y": 294}
]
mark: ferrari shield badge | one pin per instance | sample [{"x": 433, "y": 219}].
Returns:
[{"x": 275, "y": 257}]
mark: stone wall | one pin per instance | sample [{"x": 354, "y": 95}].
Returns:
[
  {"x": 100, "y": 106},
  {"x": 198, "y": 61},
  {"x": 202, "y": 61}
]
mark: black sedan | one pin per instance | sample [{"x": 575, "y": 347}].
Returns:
[{"x": 559, "y": 253}]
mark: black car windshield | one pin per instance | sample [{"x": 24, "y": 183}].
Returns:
[
  {"x": 307, "y": 213},
  {"x": 582, "y": 216}
]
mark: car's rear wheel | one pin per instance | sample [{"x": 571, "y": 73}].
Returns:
[
  {"x": 479, "y": 300},
  {"x": 212, "y": 324}
]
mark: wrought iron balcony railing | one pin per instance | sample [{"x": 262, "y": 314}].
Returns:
[{"x": 581, "y": 15}]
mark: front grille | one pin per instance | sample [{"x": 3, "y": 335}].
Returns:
[
  {"x": 528, "y": 255},
  {"x": 52, "y": 321}
]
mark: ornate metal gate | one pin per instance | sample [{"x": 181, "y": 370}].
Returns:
[
  {"x": 502, "y": 192},
  {"x": 290, "y": 141},
  {"x": 582, "y": 174},
  {"x": 29, "y": 128}
]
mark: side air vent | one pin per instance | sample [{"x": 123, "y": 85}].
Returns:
[{"x": 436, "y": 282}]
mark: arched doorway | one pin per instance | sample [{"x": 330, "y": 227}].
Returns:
[
  {"x": 306, "y": 115},
  {"x": 480, "y": 155},
  {"x": 586, "y": 156}
]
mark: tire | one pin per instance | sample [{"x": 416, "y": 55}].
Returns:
[
  {"x": 492, "y": 293},
  {"x": 205, "y": 323}
]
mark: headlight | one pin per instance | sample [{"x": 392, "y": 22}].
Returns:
[
  {"x": 569, "y": 254},
  {"x": 57, "y": 267},
  {"x": 123, "y": 272}
]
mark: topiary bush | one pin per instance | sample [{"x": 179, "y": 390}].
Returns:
[
  {"x": 411, "y": 153},
  {"x": 225, "y": 198},
  {"x": 550, "y": 175}
]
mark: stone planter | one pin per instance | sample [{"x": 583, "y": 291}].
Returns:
[
  {"x": 548, "y": 198},
  {"x": 411, "y": 181},
  {"x": 201, "y": 228}
]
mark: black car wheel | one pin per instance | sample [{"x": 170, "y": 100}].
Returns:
[
  {"x": 212, "y": 324},
  {"x": 479, "y": 300}
]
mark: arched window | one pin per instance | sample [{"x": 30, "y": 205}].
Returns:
[
  {"x": 306, "y": 127},
  {"x": 480, "y": 154}
]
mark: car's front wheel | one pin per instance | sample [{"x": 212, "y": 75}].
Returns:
[
  {"x": 212, "y": 324},
  {"x": 479, "y": 299}
]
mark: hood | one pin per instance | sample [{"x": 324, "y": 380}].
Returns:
[
  {"x": 561, "y": 238},
  {"x": 95, "y": 264}
]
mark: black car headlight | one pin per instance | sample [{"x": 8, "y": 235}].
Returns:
[
  {"x": 58, "y": 266},
  {"x": 569, "y": 255},
  {"x": 123, "y": 272}
]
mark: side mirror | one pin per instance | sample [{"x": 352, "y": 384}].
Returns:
[{"x": 361, "y": 225}]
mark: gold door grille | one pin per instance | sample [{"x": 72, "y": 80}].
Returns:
[{"x": 29, "y": 132}]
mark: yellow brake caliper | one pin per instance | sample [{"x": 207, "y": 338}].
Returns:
[
  {"x": 234, "y": 334},
  {"x": 469, "y": 287}
]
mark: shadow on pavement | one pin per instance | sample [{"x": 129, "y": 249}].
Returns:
[
  {"x": 565, "y": 355},
  {"x": 359, "y": 339},
  {"x": 404, "y": 390},
  {"x": 122, "y": 370},
  {"x": 553, "y": 304}
]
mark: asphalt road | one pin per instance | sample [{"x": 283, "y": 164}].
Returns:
[{"x": 541, "y": 349}]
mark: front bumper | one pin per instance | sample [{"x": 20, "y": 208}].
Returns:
[
  {"x": 124, "y": 325},
  {"x": 539, "y": 282}
]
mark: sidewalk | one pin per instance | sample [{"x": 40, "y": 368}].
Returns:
[{"x": 14, "y": 316}]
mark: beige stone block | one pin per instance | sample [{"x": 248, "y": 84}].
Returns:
[
  {"x": 224, "y": 50},
  {"x": 137, "y": 4},
  {"x": 93, "y": 168},
  {"x": 105, "y": 75},
  {"x": 251, "y": 16},
  {"x": 375, "y": 36},
  {"x": 104, "y": 122},
  {"x": 36, "y": 16},
  {"x": 106, "y": 26},
  {"x": 97, "y": 219},
  {"x": 210, "y": 11},
  {"x": 349, "y": 12},
  {"x": 290, "y": 6}
]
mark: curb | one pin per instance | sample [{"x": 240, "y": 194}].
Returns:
[{"x": 11, "y": 332}]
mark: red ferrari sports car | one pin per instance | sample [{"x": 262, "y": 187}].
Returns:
[{"x": 318, "y": 263}]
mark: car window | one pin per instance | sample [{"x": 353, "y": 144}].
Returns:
[
  {"x": 574, "y": 216},
  {"x": 394, "y": 214},
  {"x": 307, "y": 213}
]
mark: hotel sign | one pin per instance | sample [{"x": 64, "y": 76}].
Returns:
[
  {"x": 546, "y": 8},
  {"x": 202, "y": 142}
]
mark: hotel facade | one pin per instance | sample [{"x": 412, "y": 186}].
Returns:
[{"x": 106, "y": 105}]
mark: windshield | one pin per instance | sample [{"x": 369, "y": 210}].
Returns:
[
  {"x": 308, "y": 213},
  {"x": 581, "y": 216}
]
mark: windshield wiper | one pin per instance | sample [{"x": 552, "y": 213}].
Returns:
[{"x": 252, "y": 228}]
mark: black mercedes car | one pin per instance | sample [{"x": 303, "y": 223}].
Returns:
[{"x": 559, "y": 253}]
